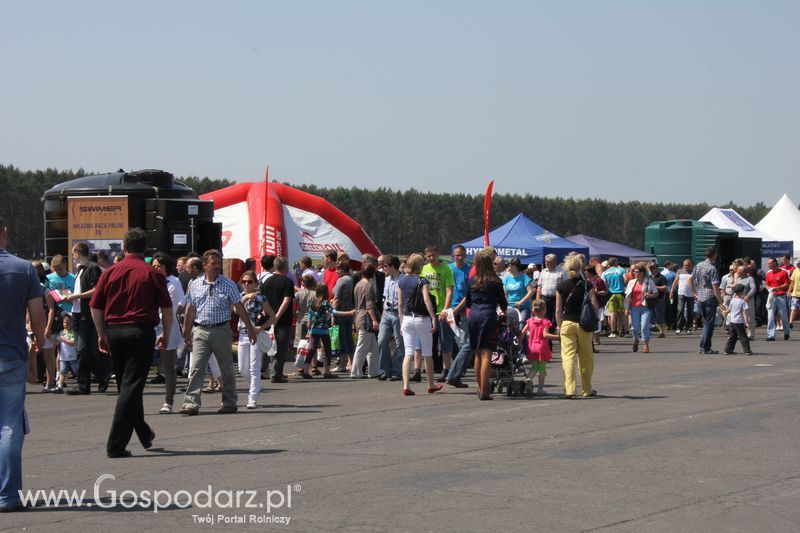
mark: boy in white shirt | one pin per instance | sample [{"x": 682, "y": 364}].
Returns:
[{"x": 737, "y": 311}]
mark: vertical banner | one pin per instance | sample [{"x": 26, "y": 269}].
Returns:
[
  {"x": 99, "y": 221},
  {"x": 487, "y": 206},
  {"x": 263, "y": 247}
]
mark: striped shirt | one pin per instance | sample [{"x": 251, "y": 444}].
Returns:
[
  {"x": 705, "y": 277},
  {"x": 213, "y": 301},
  {"x": 390, "y": 293}
]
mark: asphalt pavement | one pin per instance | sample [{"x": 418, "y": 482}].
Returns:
[{"x": 674, "y": 441}]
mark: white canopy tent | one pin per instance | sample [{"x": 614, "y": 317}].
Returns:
[
  {"x": 783, "y": 223},
  {"x": 731, "y": 219}
]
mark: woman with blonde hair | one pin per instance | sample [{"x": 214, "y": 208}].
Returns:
[
  {"x": 575, "y": 341},
  {"x": 484, "y": 294},
  {"x": 415, "y": 310}
]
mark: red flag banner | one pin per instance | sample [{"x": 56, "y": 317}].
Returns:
[{"x": 487, "y": 207}]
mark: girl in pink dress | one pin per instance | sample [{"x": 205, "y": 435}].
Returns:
[{"x": 537, "y": 329}]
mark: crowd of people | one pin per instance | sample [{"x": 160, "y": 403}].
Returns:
[{"x": 386, "y": 320}]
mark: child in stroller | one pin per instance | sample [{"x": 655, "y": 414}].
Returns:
[{"x": 507, "y": 361}]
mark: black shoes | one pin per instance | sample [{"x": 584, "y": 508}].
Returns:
[
  {"x": 279, "y": 379},
  {"x": 227, "y": 409},
  {"x": 158, "y": 379},
  {"x": 119, "y": 455},
  {"x": 456, "y": 383},
  {"x": 13, "y": 509},
  {"x": 443, "y": 377},
  {"x": 417, "y": 376},
  {"x": 770, "y": 338},
  {"x": 149, "y": 442},
  {"x": 77, "y": 392}
]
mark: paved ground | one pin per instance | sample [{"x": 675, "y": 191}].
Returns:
[{"x": 675, "y": 442}]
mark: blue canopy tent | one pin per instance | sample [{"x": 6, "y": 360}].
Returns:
[
  {"x": 605, "y": 249},
  {"x": 521, "y": 237}
]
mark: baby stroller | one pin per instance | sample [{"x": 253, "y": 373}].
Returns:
[{"x": 509, "y": 369}]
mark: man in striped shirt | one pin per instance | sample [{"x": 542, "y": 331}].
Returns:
[{"x": 206, "y": 328}]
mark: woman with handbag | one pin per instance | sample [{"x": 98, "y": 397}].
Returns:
[
  {"x": 572, "y": 295},
  {"x": 367, "y": 325},
  {"x": 484, "y": 294},
  {"x": 261, "y": 316},
  {"x": 415, "y": 310},
  {"x": 640, "y": 295}
]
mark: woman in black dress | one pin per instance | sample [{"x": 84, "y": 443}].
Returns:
[{"x": 484, "y": 294}]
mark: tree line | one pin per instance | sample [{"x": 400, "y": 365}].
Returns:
[{"x": 398, "y": 221}]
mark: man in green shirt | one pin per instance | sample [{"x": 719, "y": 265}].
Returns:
[{"x": 441, "y": 281}]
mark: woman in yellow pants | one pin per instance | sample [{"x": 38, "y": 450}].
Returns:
[{"x": 575, "y": 342}]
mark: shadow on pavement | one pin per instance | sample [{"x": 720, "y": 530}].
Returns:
[{"x": 164, "y": 452}]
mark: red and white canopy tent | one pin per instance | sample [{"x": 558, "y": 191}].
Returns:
[{"x": 271, "y": 218}]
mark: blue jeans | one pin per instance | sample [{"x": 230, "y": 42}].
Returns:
[
  {"x": 640, "y": 321},
  {"x": 465, "y": 353},
  {"x": 12, "y": 400},
  {"x": 390, "y": 326},
  {"x": 708, "y": 310},
  {"x": 778, "y": 306}
]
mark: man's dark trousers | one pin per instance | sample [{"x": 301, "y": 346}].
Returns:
[
  {"x": 132, "y": 355},
  {"x": 283, "y": 336},
  {"x": 88, "y": 354}
]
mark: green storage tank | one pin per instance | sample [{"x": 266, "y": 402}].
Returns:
[{"x": 675, "y": 240}]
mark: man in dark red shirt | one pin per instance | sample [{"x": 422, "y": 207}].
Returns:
[{"x": 125, "y": 309}]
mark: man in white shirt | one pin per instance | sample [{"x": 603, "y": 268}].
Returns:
[{"x": 549, "y": 278}]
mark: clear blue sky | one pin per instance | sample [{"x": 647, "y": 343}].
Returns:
[{"x": 685, "y": 100}]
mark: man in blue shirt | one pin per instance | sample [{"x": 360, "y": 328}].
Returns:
[
  {"x": 614, "y": 276},
  {"x": 460, "y": 277},
  {"x": 19, "y": 285},
  {"x": 671, "y": 306}
]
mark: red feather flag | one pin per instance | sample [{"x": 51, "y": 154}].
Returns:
[{"x": 487, "y": 207}]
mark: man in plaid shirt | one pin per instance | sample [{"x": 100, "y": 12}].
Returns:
[
  {"x": 707, "y": 296},
  {"x": 209, "y": 302}
]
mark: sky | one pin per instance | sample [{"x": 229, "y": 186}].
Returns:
[{"x": 678, "y": 101}]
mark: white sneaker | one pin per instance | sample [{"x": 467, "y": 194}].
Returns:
[
  {"x": 251, "y": 405},
  {"x": 612, "y": 335},
  {"x": 165, "y": 409}
]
